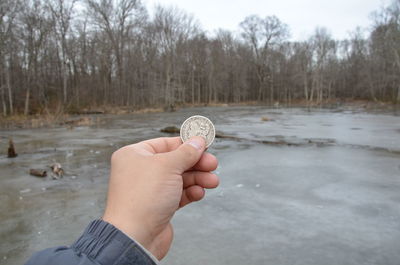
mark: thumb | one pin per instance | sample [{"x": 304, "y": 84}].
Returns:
[{"x": 188, "y": 154}]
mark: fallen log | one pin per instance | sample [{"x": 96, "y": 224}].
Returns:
[
  {"x": 223, "y": 136},
  {"x": 171, "y": 130},
  {"x": 38, "y": 173}
]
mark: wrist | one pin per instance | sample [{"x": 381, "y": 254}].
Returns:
[
  {"x": 138, "y": 232},
  {"x": 106, "y": 244}
]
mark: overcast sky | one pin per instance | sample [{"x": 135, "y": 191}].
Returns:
[{"x": 302, "y": 16}]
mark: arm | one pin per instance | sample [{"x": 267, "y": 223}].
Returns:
[
  {"x": 149, "y": 182},
  {"x": 100, "y": 243}
]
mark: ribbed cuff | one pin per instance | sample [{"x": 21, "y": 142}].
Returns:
[{"x": 105, "y": 244}]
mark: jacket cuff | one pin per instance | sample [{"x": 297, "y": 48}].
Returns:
[{"x": 105, "y": 244}]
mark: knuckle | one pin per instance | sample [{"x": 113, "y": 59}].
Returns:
[
  {"x": 115, "y": 156},
  {"x": 190, "y": 153},
  {"x": 161, "y": 161},
  {"x": 118, "y": 154}
]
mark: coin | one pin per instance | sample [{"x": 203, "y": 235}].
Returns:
[{"x": 198, "y": 126}]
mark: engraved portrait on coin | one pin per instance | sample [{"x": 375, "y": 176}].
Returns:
[{"x": 198, "y": 126}]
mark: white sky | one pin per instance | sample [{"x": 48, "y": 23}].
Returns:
[{"x": 339, "y": 16}]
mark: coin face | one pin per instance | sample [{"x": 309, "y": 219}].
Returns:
[{"x": 198, "y": 126}]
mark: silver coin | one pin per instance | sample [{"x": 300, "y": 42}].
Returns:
[{"x": 198, "y": 126}]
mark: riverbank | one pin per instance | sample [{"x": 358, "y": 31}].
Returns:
[
  {"x": 83, "y": 118},
  {"x": 91, "y": 116}
]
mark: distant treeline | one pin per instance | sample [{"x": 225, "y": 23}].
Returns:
[{"x": 73, "y": 54}]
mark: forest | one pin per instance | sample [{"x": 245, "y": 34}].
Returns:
[{"x": 78, "y": 54}]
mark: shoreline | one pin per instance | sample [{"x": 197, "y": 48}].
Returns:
[{"x": 89, "y": 117}]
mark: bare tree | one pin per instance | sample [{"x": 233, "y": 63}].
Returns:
[
  {"x": 323, "y": 49},
  {"x": 8, "y": 12},
  {"x": 34, "y": 30},
  {"x": 117, "y": 19},
  {"x": 59, "y": 54},
  {"x": 264, "y": 35},
  {"x": 62, "y": 12},
  {"x": 173, "y": 27}
]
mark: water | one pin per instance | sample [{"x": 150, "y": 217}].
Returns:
[{"x": 327, "y": 193}]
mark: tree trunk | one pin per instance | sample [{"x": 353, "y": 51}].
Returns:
[
  {"x": 312, "y": 90},
  {"x": 198, "y": 92},
  {"x": 64, "y": 80},
  {"x": 306, "y": 87},
  {"x": 10, "y": 96},
  {"x": 397, "y": 59},
  {"x": 3, "y": 101},
  {"x": 167, "y": 87},
  {"x": 192, "y": 81},
  {"x": 398, "y": 95},
  {"x": 272, "y": 90},
  {"x": 27, "y": 96}
]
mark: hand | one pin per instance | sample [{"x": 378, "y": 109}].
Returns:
[{"x": 150, "y": 181}]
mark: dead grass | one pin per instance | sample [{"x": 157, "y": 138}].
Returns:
[
  {"x": 118, "y": 110},
  {"x": 43, "y": 121},
  {"x": 36, "y": 121},
  {"x": 47, "y": 119}
]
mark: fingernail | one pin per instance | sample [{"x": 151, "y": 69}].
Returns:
[{"x": 196, "y": 143}]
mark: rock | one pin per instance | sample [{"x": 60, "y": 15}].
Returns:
[
  {"x": 171, "y": 130},
  {"x": 38, "y": 173}
]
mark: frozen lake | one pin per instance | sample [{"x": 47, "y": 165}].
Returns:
[{"x": 306, "y": 187}]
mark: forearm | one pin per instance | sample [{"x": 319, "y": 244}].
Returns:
[{"x": 100, "y": 244}]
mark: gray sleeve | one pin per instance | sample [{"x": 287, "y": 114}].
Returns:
[{"x": 101, "y": 244}]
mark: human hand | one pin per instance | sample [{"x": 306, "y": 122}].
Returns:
[{"x": 150, "y": 181}]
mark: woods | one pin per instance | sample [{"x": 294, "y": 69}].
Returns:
[{"x": 67, "y": 55}]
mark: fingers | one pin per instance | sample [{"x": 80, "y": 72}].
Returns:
[
  {"x": 191, "y": 194},
  {"x": 207, "y": 162},
  {"x": 186, "y": 155},
  {"x": 194, "y": 183},
  {"x": 206, "y": 180}
]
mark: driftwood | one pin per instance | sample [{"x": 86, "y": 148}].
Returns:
[
  {"x": 223, "y": 136},
  {"x": 171, "y": 130},
  {"x": 38, "y": 173},
  {"x": 11, "y": 149}
]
